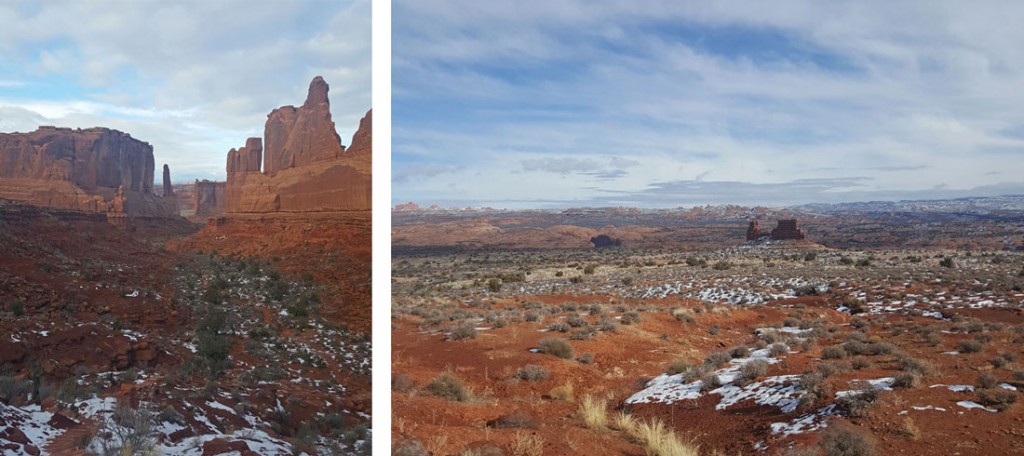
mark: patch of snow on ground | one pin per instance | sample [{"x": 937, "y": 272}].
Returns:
[
  {"x": 807, "y": 422},
  {"x": 973, "y": 405}
]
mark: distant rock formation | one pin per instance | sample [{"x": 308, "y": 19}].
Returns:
[
  {"x": 754, "y": 231},
  {"x": 208, "y": 198},
  {"x": 788, "y": 230},
  {"x": 785, "y": 230},
  {"x": 410, "y": 206},
  {"x": 91, "y": 170},
  {"x": 604, "y": 240},
  {"x": 305, "y": 168},
  {"x": 168, "y": 190}
]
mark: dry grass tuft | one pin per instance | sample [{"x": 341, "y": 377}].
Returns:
[
  {"x": 527, "y": 444},
  {"x": 562, "y": 393},
  {"x": 593, "y": 412},
  {"x": 658, "y": 440}
]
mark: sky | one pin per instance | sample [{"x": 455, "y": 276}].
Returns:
[
  {"x": 192, "y": 78},
  {"x": 541, "y": 104}
]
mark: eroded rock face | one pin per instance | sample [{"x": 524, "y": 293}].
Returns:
[
  {"x": 305, "y": 167},
  {"x": 303, "y": 135},
  {"x": 80, "y": 170},
  {"x": 168, "y": 190},
  {"x": 208, "y": 198},
  {"x": 788, "y": 230}
]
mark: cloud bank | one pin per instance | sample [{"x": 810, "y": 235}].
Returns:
[
  {"x": 191, "y": 78},
  {"x": 525, "y": 103}
]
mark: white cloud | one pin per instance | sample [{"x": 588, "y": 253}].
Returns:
[
  {"x": 213, "y": 67},
  {"x": 910, "y": 94}
]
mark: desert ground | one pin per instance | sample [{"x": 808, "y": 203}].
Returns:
[{"x": 715, "y": 346}]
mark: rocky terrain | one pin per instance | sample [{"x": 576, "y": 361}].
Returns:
[
  {"x": 247, "y": 335},
  {"x": 872, "y": 336}
]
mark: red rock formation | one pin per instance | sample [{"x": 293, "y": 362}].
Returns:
[
  {"x": 306, "y": 169},
  {"x": 168, "y": 190},
  {"x": 303, "y": 135},
  {"x": 754, "y": 231},
  {"x": 208, "y": 198},
  {"x": 785, "y": 230},
  {"x": 410, "y": 206},
  {"x": 788, "y": 230},
  {"x": 79, "y": 170}
]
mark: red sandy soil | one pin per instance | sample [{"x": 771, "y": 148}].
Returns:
[{"x": 625, "y": 360}]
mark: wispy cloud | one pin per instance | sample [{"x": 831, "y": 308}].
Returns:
[
  {"x": 193, "y": 79},
  {"x": 728, "y": 90}
]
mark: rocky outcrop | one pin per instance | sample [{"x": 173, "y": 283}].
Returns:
[
  {"x": 410, "y": 206},
  {"x": 81, "y": 170},
  {"x": 303, "y": 135},
  {"x": 168, "y": 189},
  {"x": 604, "y": 240},
  {"x": 786, "y": 230},
  {"x": 305, "y": 167},
  {"x": 208, "y": 198},
  {"x": 754, "y": 231}
]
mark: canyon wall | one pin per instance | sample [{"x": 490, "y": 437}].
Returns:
[
  {"x": 305, "y": 168},
  {"x": 92, "y": 170}
]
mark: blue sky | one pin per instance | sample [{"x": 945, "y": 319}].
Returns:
[
  {"x": 193, "y": 78},
  {"x": 667, "y": 103}
]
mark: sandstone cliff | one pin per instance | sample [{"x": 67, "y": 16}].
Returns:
[
  {"x": 305, "y": 166},
  {"x": 81, "y": 170},
  {"x": 208, "y": 198}
]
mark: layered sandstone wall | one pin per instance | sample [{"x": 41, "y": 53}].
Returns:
[
  {"x": 82, "y": 170},
  {"x": 305, "y": 166},
  {"x": 208, "y": 198}
]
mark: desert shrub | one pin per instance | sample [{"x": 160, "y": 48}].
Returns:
[
  {"x": 624, "y": 422},
  {"x": 846, "y": 440},
  {"x": 593, "y": 411},
  {"x": 562, "y": 392},
  {"x": 987, "y": 380},
  {"x": 11, "y": 388},
  {"x": 559, "y": 327},
  {"x": 589, "y": 269},
  {"x": 557, "y": 347},
  {"x": 739, "y": 352},
  {"x": 450, "y": 387},
  {"x": 125, "y": 431},
  {"x": 629, "y": 318},
  {"x": 713, "y": 330},
  {"x": 815, "y": 389},
  {"x": 710, "y": 382},
  {"x": 947, "y": 262},
  {"x": 585, "y": 358},
  {"x": 860, "y": 362},
  {"x": 829, "y": 369},
  {"x": 575, "y": 321},
  {"x": 753, "y": 369},
  {"x": 494, "y": 285},
  {"x": 716, "y": 359},
  {"x": 857, "y": 404},
  {"x": 969, "y": 346},
  {"x": 409, "y": 447},
  {"x": 401, "y": 383},
  {"x": 608, "y": 325},
  {"x": 532, "y": 372},
  {"x": 907, "y": 380},
  {"x": 920, "y": 366},
  {"x": 581, "y": 334},
  {"x": 679, "y": 366},
  {"x": 531, "y": 316},
  {"x": 778, "y": 349},
  {"x": 722, "y": 265},
  {"x": 833, "y": 352},
  {"x": 999, "y": 398}
]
